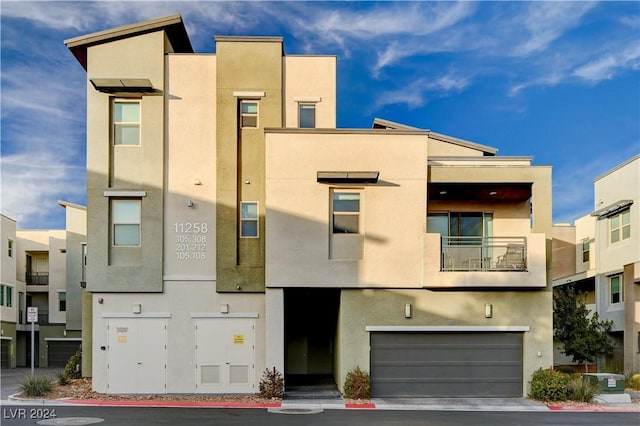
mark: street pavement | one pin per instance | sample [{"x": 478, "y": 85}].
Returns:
[{"x": 10, "y": 382}]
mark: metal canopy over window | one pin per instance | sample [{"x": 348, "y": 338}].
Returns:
[
  {"x": 122, "y": 85},
  {"x": 348, "y": 177},
  {"x": 612, "y": 209}
]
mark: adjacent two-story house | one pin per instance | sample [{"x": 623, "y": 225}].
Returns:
[
  {"x": 600, "y": 256},
  {"x": 42, "y": 269},
  {"x": 232, "y": 228}
]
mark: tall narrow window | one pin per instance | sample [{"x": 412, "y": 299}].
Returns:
[
  {"x": 10, "y": 248},
  {"x": 620, "y": 226},
  {"x": 616, "y": 289},
  {"x": 9, "y": 296},
  {"x": 307, "y": 116},
  {"x": 126, "y": 122},
  {"x": 249, "y": 114},
  {"x": 62, "y": 301},
  {"x": 125, "y": 217},
  {"x": 249, "y": 219},
  {"x": 84, "y": 262},
  {"x": 1, "y": 295},
  {"x": 585, "y": 250},
  {"x": 346, "y": 212}
]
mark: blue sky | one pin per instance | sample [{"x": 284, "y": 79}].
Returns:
[{"x": 558, "y": 81}]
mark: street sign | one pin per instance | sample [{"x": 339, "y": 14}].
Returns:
[{"x": 32, "y": 314}]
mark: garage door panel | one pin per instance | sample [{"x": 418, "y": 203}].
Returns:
[
  {"x": 59, "y": 352},
  {"x": 423, "y": 364}
]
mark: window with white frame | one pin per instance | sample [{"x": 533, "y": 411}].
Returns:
[
  {"x": 10, "y": 248},
  {"x": 62, "y": 301},
  {"x": 2, "y": 295},
  {"x": 345, "y": 212},
  {"x": 249, "y": 114},
  {"x": 9, "y": 296},
  {"x": 125, "y": 220},
  {"x": 616, "y": 290},
  {"x": 126, "y": 122},
  {"x": 306, "y": 116},
  {"x": 620, "y": 226},
  {"x": 585, "y": 250},
  {"x": 249, "y": 219}
]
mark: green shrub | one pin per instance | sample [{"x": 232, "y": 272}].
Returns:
[
  {"x": 549, "y": 385},
  {"x": 357, "y": 384},
  {"x": 35, "y": 386},
  {"x": 272, "y": 384},
  {"x": 635, "y": 381},
  {"x": 73, "y": 369},
  {"x": 62, "y": 377},
  {"x": 581, "y": 389}
]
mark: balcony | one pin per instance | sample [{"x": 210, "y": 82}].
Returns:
[
  {"x": 476, "y": 262},
  {"x": 37, "y": 278},
  {"x": 484, "y": 254}
]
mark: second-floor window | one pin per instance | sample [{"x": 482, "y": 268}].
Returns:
[
  {"x": 249, "y": 114},
  {"x": 1, "y": 295},
  {"x": 616, "y": 291},
  {"x": 125, "y": 218},
  {"x": 62, "y": 301},
  {"x": 585, "y": 250},
  {"x": 620, "y": 226},
  {"x": 346, "y": 212},
  {"x": 249, "y": 219},
  {"x": 126, "y": 122},
  {"x": 10, "y": 248},
  {"x": 307, "y": 116}
]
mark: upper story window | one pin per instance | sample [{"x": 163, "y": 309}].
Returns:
[
  {"x": 461, "y": 227},
  {"x": 2, "y": 295},
  {"x": 585, "y": 250},
  {"x": 249, "y": 219},
  {"x": 616, "y": 290},
  {"x": 62, "y": 301},
  {"x": 620, "y": 226},
  {"x": 6, "y": 296},
  {"x": 307, "y": 116},
  {"x": 125, "y": 218},
  {"x": 126, "y": 122},
  {"x": 84, "y": 262},
  {"x": 249, "y": 114},
  {"x": 9, "y": 296},
  {"x": 346, "y": 212},
  {"x": 10, "y": 248}
]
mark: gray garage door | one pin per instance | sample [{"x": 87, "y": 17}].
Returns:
[
  {"x": 426, "y": 364},
  {"x": 4, "y": 353},
  {"x": 60, "y": 351}
]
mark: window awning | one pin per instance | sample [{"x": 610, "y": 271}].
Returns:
[
  {"x": 348, "y": 177},
  {"x": 122, "y": 85},
  {"x": 612, "y": 209}
]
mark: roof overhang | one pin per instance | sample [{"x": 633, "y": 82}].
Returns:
[
  {"x": 122, "y": 85},
  {"x": 348, "y": 177},
  {"x": 612, "y": 209},
  {"x": 490, "y": 191}
]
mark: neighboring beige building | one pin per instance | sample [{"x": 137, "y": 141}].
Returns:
[
  {"x": 233, "y": 228},
  {"x": 42, "y": 269},
  {"x": 600, "y": 255}
]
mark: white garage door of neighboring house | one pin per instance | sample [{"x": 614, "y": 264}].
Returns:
[
  {"x": 446, "y": 364},
  {"x": 225, "y": 355},
  {"x": 137, "y": 355}
]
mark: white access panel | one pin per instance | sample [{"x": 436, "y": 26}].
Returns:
[
  {"x": 137, "y": 355},
  {"x": 225, "y": 355}
]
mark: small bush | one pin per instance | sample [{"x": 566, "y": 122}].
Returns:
[
  {"x": 35, "y": 386},
  {"x": 549, "y": 385},
  {"x": 635, "y": 382},
  {"x": 581, "y": 388},
  {"x": 272, "y": 384},
  {"x": 73, "y": 369},
  {"x": 62, "y": 377},
  {"x": 357, "y": 384}
]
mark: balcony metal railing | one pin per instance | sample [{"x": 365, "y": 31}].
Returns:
[
  {"x": 37, "y": 278},
  {"x": 484, "y": 254}
]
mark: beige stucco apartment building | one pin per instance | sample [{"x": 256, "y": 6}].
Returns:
[
  {"x": 233, "y": 228},
  {"x": 42, "y": 269},
  {"x": 600, "y": 256}
]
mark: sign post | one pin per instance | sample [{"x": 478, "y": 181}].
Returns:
[{"x": 32, "y": 317}]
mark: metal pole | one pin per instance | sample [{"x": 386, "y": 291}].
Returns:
[{"x": 32, "y": 346}]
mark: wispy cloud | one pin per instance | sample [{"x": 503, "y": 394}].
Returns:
[
  {"x": 419, "y": 91},
  {"x": 606, "y": 67}
]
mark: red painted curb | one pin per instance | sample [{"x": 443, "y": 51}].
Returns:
[
  {"x": 152, "y": 403},
  {"x": 360, "y": 406},
  {"x": 603, "y": 408}
]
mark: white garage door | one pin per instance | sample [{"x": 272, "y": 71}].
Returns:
[
  {"x": 225, "y": 355},
  {"x": 137, "y": 357}
]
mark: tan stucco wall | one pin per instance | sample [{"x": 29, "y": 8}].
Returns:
[{"x": 311, "y": 78}]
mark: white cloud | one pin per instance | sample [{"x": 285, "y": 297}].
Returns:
[
  {"x": 606, "y": 67},
  {"x": 417, "y": 93}
]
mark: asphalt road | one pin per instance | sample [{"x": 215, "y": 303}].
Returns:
[{"x": 30, "y": 415}]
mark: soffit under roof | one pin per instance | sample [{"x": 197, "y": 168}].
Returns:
[
  {"x": 172, "y": 25},
  {"x": 490, "y": 191}
]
